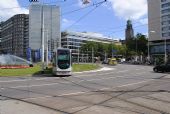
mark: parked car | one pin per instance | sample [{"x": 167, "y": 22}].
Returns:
[
  {"x": 105, "y": 62},
  {"x": 112, "y": 61},
  {"x": 162, "y": 68}
]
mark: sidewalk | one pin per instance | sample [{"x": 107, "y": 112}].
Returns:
[{"x": 18, "y": 107}]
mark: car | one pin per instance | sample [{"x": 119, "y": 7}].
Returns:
[
  {"x": 105, "y": 62},
  {"x": 162, "y": 68},
  {"x": 112, "y": 61}
]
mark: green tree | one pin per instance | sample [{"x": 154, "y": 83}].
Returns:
[
  {"x": 101, "y": 48},
  {"x": 137, "y": 45},
  {"x": 142, "y": 44},
  {"x": 121, "y": 49}
]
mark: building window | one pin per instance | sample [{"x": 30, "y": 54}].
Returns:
[
  {"x": 166, "y": 22},
  {"x": 165, "y": 34},
  {"x": 166, "y": 11},
  {"x": 165, "y": 28},
  {"x": 165, "y": 17},
  {"x": 166, "y": 5},
  {"x": 163, "y": 0}
]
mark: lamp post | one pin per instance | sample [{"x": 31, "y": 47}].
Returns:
[{"x": 165, "y": 50}]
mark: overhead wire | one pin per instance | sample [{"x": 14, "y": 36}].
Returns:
[
  {"x": 97, "y": 5},
  {"x": 122, "y": 28}
]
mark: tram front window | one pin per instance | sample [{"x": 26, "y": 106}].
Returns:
[{"x": 63, "y": 59}]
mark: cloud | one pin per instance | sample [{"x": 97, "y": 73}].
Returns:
[
  {"x": 144, "y": 21},
  {"x": 66, "y": 23},
  {"x": 8, "y": 8},
  {"x": 129, "y": 9},
  {"x": 65, "y": 20}
]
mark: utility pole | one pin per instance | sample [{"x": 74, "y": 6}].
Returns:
[
  {"x": 165, "y": 56},
  {"x": 105, "y": 56},
  {"x": 87, "y": 56},
  {"x": 47, "y": 50},
  {"x": 112, "y": 47},
  {"x": 82, "y": 57},
  {"x": 78, "y": 55},
  {"x": 92, "y": 55},
  {"x": 42, "y": 41},
  {"x": 136, "y": 58}
]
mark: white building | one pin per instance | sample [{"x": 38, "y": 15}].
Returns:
[{"x": 74, "y": 40}]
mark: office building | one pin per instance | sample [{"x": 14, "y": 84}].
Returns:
[
  {"x": 49, "y": 16},
  {"x": 0, "y": 38},
  {"x": 14, "y": 35},
  {"x": 159, "y": 27},
  {"x": 74, "y": 40},
  {"x": 129, "y": 33}
]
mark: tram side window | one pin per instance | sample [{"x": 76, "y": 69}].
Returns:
[{"x": 54, "y": 60}]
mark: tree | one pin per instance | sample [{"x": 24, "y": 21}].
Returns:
[
  {"x": 142, "y": 44},
  {"x": 137, "y": 45},
  {"x": 121, "y": 49},
  {"x": 100, "y": 49}
]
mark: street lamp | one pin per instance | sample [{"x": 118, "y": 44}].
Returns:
[{"x": 165, "y": 50}]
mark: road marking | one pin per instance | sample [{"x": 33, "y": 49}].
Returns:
[
  {"x": 30, "y": 79},
  {"x": 103, "y": 78},
  {"x": 128, "y": 84},
  {"x": 101, "y": 74},
  {"x": 50, "y": 84},
  {"x": 67, "y": 94},
  {"x": 76, "y": 93},
  {"x": 102, "y": 69},
  {"x": 112, "y": 77},
  {"x": 81, "y": 92}
]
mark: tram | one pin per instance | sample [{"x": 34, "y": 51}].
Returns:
[{"x": 62, "y": 64}]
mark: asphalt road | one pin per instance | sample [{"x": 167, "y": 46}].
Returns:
[{"x": 124, "y": 89}]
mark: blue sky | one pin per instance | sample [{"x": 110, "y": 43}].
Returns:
[{"x": 108, "y": 19}]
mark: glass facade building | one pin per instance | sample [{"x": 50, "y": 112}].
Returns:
[
  {"x": 49, "y": 15},
  {"x": 0, "y": 38}
]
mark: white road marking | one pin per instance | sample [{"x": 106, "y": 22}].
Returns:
[
  {"x": 101, "y": 74},
  {"x": 81, "y": 92},
  {"x": 51, "y": 84},
  {"x": 104, "y": 78},
  {"x": 76, "y": 93},
  {"x": 32, "y": 79},
  {"x": 24, "y": 80},
  {"x": 102, "y": 69},
  {"x": 129, "y": 84}
]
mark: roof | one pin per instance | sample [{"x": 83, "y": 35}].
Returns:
[{"x": 89, "y": 35}]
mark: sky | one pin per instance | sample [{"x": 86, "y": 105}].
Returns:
[{"x": 108, "y": 19}]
